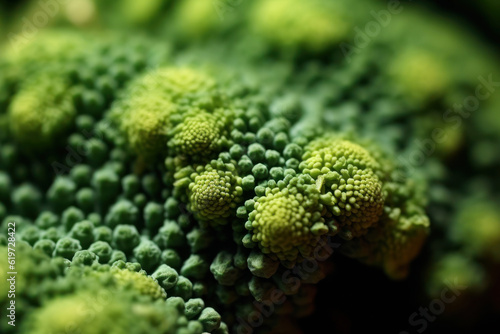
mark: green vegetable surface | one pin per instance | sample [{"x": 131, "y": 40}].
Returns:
[{"x": 171, "y": 183}]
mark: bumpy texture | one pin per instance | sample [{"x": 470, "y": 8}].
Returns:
[
  {"x": 287, "y": 220},
  {"x": 215, "y": 191},
  {"x": 346, "y": 174},
  {"x": 201, "y": 134},
  {"x": 41, "y": 111},
  {"x": 191, "y": 183}
]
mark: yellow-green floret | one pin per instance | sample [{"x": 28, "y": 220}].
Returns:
[
  {"x": 138, "y": 281},
  {"x": 400, "y": 233},
  {"x": 153, "y": 104},
  {"x": 49, "y": 46},
  {"x": 311, "y": 25},
  {"x": 346, "y": 175},
  {"x": 196, "y": 18},
  {"x": 287, "y": 221},
  {"x": 97, "y": 311},
  {"x": 214, "y": 192},
  {"x": 41, "y": 111},
  {"x": 146, "y": 126},
  {"x": 458, "y": 271},
  {"x": 477, "y": 227},
  {"x": 201, "y": 134},
  {"x": 184, "y": 86},
  {"x": 419, "y": 75}
]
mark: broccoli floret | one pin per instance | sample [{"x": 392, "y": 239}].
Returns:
[
  {"x": 477, "y": 228},
  {"x": 59, "y": 314},
  {"x": 146, "y": 124},
  {"x": 416, "y": 83},
  {"x": 84, "y": 232},
  {"x": 214, "y": 191},
  {"x": 287, "y": 219},
  {"x": 457, "y": 270},
  {"x": 313, "y": 25},
  {"x": 210, "y": 319},
  {"x": 26, "y": 200},
  {"x": 346, "y": 175},
  {"x": 122, "y": 212},
  {"x": 125, "y": 238},
  {"x": 102, "y": 249},
  {"x": 201, "y": 134},
  {"x": 400, "y": 234},
  {"x": 137, "y": 281},
  {"x": 67, "y": 247},
  {"x": 42, "y": 111},
  {"x": 223, "y": 269},
  {"x": 145, "y": 113},
  {"x": 148, "y": 254},
  {"x": 47, "y": 246},
  {"x": 61, "y": 194},
  {"x": 196, "y": 18}
]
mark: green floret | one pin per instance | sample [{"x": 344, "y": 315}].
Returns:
[
  {"x": 138, "y": 281},
  {"x": 196, "y": 18},
  {"x": 126, "y": 238},
  {"x": 67, "y": 247},
  {"x": 287, "y": 220},
  {"x": 106, "y": 184},
  {"x": 186, "y": 86},
  {"x": 45, "y": 246},
  {"x": 310, "y": 25},
  {"x": 42, "y": 111},
  {"x": 83, "y": 232},
  {"x": 455, "y": 270},
  {"x": 5, "y": 186},
  {"x": 169, "y": 235},
  {"x": 166, "y": 276},
  {"x": 61, "y": 193},
  {"x": 201, "y": 134},
  {"x": 50, "y": 46},
  {"x": 56, "y": 295},
  {"x": 418, "y": 75},
  {"x": 27, "y": 200},
  {"x": 122, "y": 212},
  {"x": 477, "y": 228},
  {"x": 148, "y": 254},
  {"x": 223, "y": 269},
  {"x": 210, "y": 319},
  {"x": 214, "y": 191},
  {"x": 103, "y": 251},
  {"x": 99, "y": 311},
  {"x": 146, "y": 125},
  {"x": 346, "y": 175},
  {"x": 148, "y": 105},
  {"x": 400, "y": 234}
]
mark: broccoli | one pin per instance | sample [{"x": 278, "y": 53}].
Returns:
[
  {"x": 158, "y": 186},
  {"x": 287, "y": 219},
  {"x": 234, "y": 174}
]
